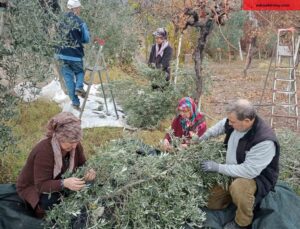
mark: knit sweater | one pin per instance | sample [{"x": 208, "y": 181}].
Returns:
[{"x": 36, "y": 176}]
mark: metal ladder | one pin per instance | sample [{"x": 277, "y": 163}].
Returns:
[
  {"x": 284, "y": 93},
  {"x": 99, "y": 67}
]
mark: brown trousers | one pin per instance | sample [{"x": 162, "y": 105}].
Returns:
[{"x": 241, "y": 192}]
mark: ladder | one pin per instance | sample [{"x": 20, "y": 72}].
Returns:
[
  {"x": 99, "y": 68},
  {"x": 284, "y": 91}
]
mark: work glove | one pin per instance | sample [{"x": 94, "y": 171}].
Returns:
[
  {"x": 209, "y": 166},
  {"x": 196, "y": 139},
  {"x": 167, "y": 76}
]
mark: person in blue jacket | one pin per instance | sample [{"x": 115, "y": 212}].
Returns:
[{"x": 74, "y": 33}]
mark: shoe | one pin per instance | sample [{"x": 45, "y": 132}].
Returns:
[
  {"x": 233, "y": 225},
  {"x": 80, "y": 92},
  {"x": 76, "y": 107}
]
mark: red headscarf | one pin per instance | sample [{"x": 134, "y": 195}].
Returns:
[{"x": 188, "y": 104}]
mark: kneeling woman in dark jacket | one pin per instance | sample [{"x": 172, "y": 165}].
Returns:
[
  {"x": 59, "y": 152},
  {"x": 187, "y": 123}
]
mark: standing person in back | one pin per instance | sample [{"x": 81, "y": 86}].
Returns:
[
  {"x": 74, "y": 33},
  {"x": 161, "y": 53}
]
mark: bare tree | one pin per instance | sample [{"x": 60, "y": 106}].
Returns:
[
  {"x": 253, "y": 41},
  {"x": 202, "y": 14}
]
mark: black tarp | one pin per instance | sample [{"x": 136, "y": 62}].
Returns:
[
  {"x": 14, "y": 213},
  {"x": 278, "y": 210}
]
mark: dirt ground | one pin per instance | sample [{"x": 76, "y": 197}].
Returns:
[{"x": 228, "y": 83}]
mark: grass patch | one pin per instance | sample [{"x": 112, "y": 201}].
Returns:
[
  {"x": 153, "y": 137},
  {"x": 96, "y": 137},
  {"x": 114, "y": 74},
  {"x": 29, "y": 128}
]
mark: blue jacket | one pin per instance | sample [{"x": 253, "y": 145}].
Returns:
[{"x": 74, "y": 33}]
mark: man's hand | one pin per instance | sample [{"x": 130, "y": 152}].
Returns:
[
  {"x": 209, "y": 166},
  {"x": 73, "y": 183},
  {"x": 90, "y": 175}
]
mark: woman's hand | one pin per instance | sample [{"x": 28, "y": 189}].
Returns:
[
  {"x": 73, "y": 183},
  {"x": 167, "y": 146},
  {"x": 90, "y": 175},
  {"x": 183, "y": 146},
  {"x": 194, "y": 137}
]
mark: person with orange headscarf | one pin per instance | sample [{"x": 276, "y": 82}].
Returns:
[
  {"x": 40, "y": 183},
  {"x": 188, "y": 123}
]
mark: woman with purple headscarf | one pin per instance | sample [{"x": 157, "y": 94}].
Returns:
[{"x": 60, "y": 151}]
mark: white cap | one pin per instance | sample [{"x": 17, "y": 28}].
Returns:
[{"x": 73, "y": 4}]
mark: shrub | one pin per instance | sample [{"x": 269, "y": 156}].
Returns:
[{"x": 146, "y": 107}]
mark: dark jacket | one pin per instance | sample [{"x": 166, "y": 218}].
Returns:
[
  {"x": 73, "y": 34},
  {"x": 161, "y": 62},
  {"x": 36, "y": 176},
  {"x": 259, "y": 132}
]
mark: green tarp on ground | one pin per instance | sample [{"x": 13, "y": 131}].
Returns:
[{"x": 278, "y": 210}]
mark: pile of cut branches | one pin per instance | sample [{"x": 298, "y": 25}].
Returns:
[
  {"x": 133, "y": 191},
  {"x": 166, "y": 191}
]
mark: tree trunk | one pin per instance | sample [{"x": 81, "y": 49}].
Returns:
[
  {"x": 177, "y": 57},
  {"x": 229, "y": 54},
  {"x": 198, "y": 57},
  {"x": 252, "y": 47},
  {"x": 240, "y": 51},
  {"x": 251, "y": 51},
  {"x": 146, "y": 46},
  {"x": 198, "y": 71},
  {"x": 1, "y": 22}
]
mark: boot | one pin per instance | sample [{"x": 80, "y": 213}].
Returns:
[{"x": 80, "y": 92}]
